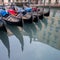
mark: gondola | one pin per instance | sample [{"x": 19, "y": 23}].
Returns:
[
  {"x": 27, "y": 18},
  {"x": 2, "y": 26},
  {"x": 47, "y": 13},
  {"x": 41, "y": 14},
  {"x": 38, "y": 15},
  {"x": 13, "y": 20}
]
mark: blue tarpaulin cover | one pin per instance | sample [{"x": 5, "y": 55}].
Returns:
[
  {"x": 3, "y": 12},
  {"x": 28, "y": 9}
]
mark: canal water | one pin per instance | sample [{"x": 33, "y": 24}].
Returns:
[{"x": 36, "y": 41}]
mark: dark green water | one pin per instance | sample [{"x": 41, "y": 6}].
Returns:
[{"x": 37, "y": 41}]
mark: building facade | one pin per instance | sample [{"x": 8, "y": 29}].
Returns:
[
  {"x": 46, "y": 1},
  {"x": 32, "y": 1}
]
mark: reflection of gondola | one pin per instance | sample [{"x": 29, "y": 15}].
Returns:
[
  {"x": 13, "y": 20},
  {"x": 15, "y": 30},
  {"x": 2, "y": 25},
  {"x": 5, "y": 40}
]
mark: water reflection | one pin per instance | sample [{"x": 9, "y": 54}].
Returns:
[
  {"x": 45, "y": 21},
  {"x": 17, "y": 33},
  {"x": 29, "y": 29},
  {"x": 34, "y": 39},
  {"x": 5, "y": 40},
  {"x": 39, "y": 24},
  {"x": 59, "y": 22},
  {"x": 47, "y": 35},
  {"x": 34, "y": 51},
  {"x": 52, "y": 21},
  {"x": 51, "y": 35},
  {"x": 54, "y": 13}
]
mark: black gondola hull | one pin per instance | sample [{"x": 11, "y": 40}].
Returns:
[
  {"x": 47, "y": 14},
  {"x": 41, "y": 17},
  {"x": 35, "y": 18},
  {"x": 29, "y": 20},
  {"x": 18, "y": 23},
  {"x": 3, "y": 28}
]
